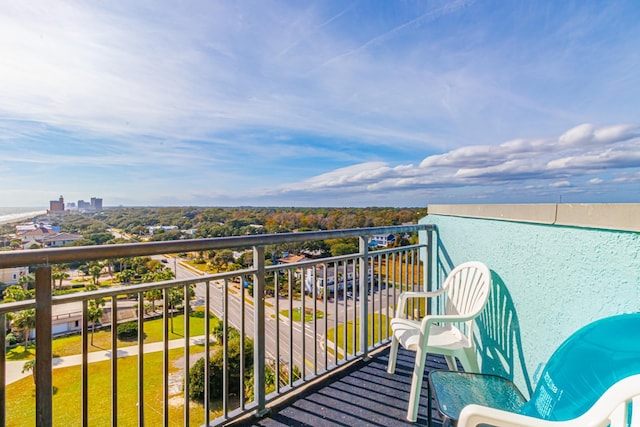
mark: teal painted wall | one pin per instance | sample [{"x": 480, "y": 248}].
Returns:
[{"x": 555, "y": 278}]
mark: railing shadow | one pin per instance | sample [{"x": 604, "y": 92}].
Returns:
[
  {"x": 498, "y": 339},
  {"x": 497, "y": 336},
  {"x": 443, "y": 264}
]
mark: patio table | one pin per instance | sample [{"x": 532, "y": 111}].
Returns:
[{"x": 453, "y": 390}]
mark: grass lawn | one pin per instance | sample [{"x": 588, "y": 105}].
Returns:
[
  {"x": 67, "y": 394},
  {"x": 153, "y": 329},
  {"x": 204, "y": 267},
  {"x": 296, "y": 315},
  {"x": 373, "y": 329}
]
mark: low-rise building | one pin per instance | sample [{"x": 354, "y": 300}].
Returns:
[
  {"x": 382, "y": 240},
  {"x": 154, "y": 228},
  {"x": 36, "y": 236},
  {"x": 60, "y": 239},
  {"x": 11, "y": 276}
]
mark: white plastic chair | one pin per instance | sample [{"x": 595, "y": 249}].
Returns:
[
  {"x": 465, "y": 291},
  {"x": 591, "y": 380},
  {"x": 619, "y": 406}
]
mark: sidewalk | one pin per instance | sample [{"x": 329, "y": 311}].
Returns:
[{"x": 14, "y": 368}]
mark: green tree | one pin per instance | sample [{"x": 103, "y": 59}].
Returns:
[
  {"x": 59, "y": 273},
  {"x": 218, "y": 333},
  {"x": 223, "y": 258},
  {"x": 176, "y": 297},
  {"x": 196, "y": 389},
  {"x": 30, "y": 366},
  {"x": 100, "y": 238},
  {"x": 125, "y": 276},
  {"x": 25, "y": 320},
  {"x": 152, "y": 296},
  {"x": 338, "y": 249},
  {"x": 27, "y": 281},
  {"x": 15, "y": 293},
  {"x": 158, "y": 275},
  {"x": 95, "y": 271},
  {"x": 94, "y": 313}
]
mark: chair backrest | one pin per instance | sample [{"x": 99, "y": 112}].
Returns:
[
  {"x": 467, "y": 289},
  {"x": 585, "y": 366}
]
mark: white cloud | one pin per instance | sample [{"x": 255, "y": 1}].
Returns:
[
  {"x": 519, "y": 161},
  {"x": 579, "y": 135}
]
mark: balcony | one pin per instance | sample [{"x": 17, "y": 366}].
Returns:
[
  {"x": 298, "y": 324},
  {"x": 554, "y": 268}
]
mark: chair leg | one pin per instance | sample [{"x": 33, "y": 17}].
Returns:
[
  {"x": 393, "y": 354},
  {"x": 469, "y": 360},
  {"x": 416, "y": 385},
  {"x": 451, "y": 363}
]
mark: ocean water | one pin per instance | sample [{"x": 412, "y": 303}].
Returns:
[{"x": 18, "y": 214}]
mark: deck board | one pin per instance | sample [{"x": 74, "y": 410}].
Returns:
[{"x": 361, "y": 395}]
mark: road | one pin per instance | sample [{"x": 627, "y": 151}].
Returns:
[{"x": 290, "y": 334}]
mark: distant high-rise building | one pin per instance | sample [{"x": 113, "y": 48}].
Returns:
[
  {"x": 96, "y": 204},
  {"x": 57, "y": 205}
]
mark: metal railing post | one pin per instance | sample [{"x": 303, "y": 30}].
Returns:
[
  {"x": 259, "y": 340},
  {"x": 141, "y": 358},
  {"x": 44, "y": 382},
  {"x": 114, "y": 361},
  {"x": 85, "y": 362},
  {"x": 364, "y": 305},
  {"x": 428, "y": 266},
  {"x": 3, "y": 356}
]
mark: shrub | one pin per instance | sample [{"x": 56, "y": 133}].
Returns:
[
  {"x": 198, "y": 314},
  {"x": 128, "y": 331},
  {"x": 11, "y": 339},
  {"x": 196, "y": 373}
]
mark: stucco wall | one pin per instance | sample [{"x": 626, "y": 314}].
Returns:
[{"x": 558, "y": 277}]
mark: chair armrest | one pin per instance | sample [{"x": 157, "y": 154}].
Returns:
[
  {"x": 404, "y": 296},
  {"x": 611, "y": 405},
  {"x": 474, "y": 415},
  {"x": 446, "y": 318}
]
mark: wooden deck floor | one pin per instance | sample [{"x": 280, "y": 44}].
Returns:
[{"x": 361, "y": 395}]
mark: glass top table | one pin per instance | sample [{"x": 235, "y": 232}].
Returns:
[{"x": 453, "y": 390}]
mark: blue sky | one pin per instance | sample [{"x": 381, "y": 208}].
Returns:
[{"x": 319, "y": 103}]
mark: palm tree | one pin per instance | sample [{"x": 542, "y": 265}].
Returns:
[
  {"x": 95, "y": 271},
  {"x": 26, "y": 281},
  {"x": 152, "y": 296},
  {"x": 59, "y": 273},
  {"x": 25, "y": 320},
  {"x": 218, "y": 333},
  {"x": 125, "y": 276},
  {"x": 94, "y": 314},
  {"x": 175, "y": 297},
  {"x": 30, "y": 365}
]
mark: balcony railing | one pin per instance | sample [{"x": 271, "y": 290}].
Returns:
[{"x": 304, "y": 320}]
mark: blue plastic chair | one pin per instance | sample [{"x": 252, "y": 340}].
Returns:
[
  {"x": 585, "y": 366},
  {"x": 592, "y": 379}
]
